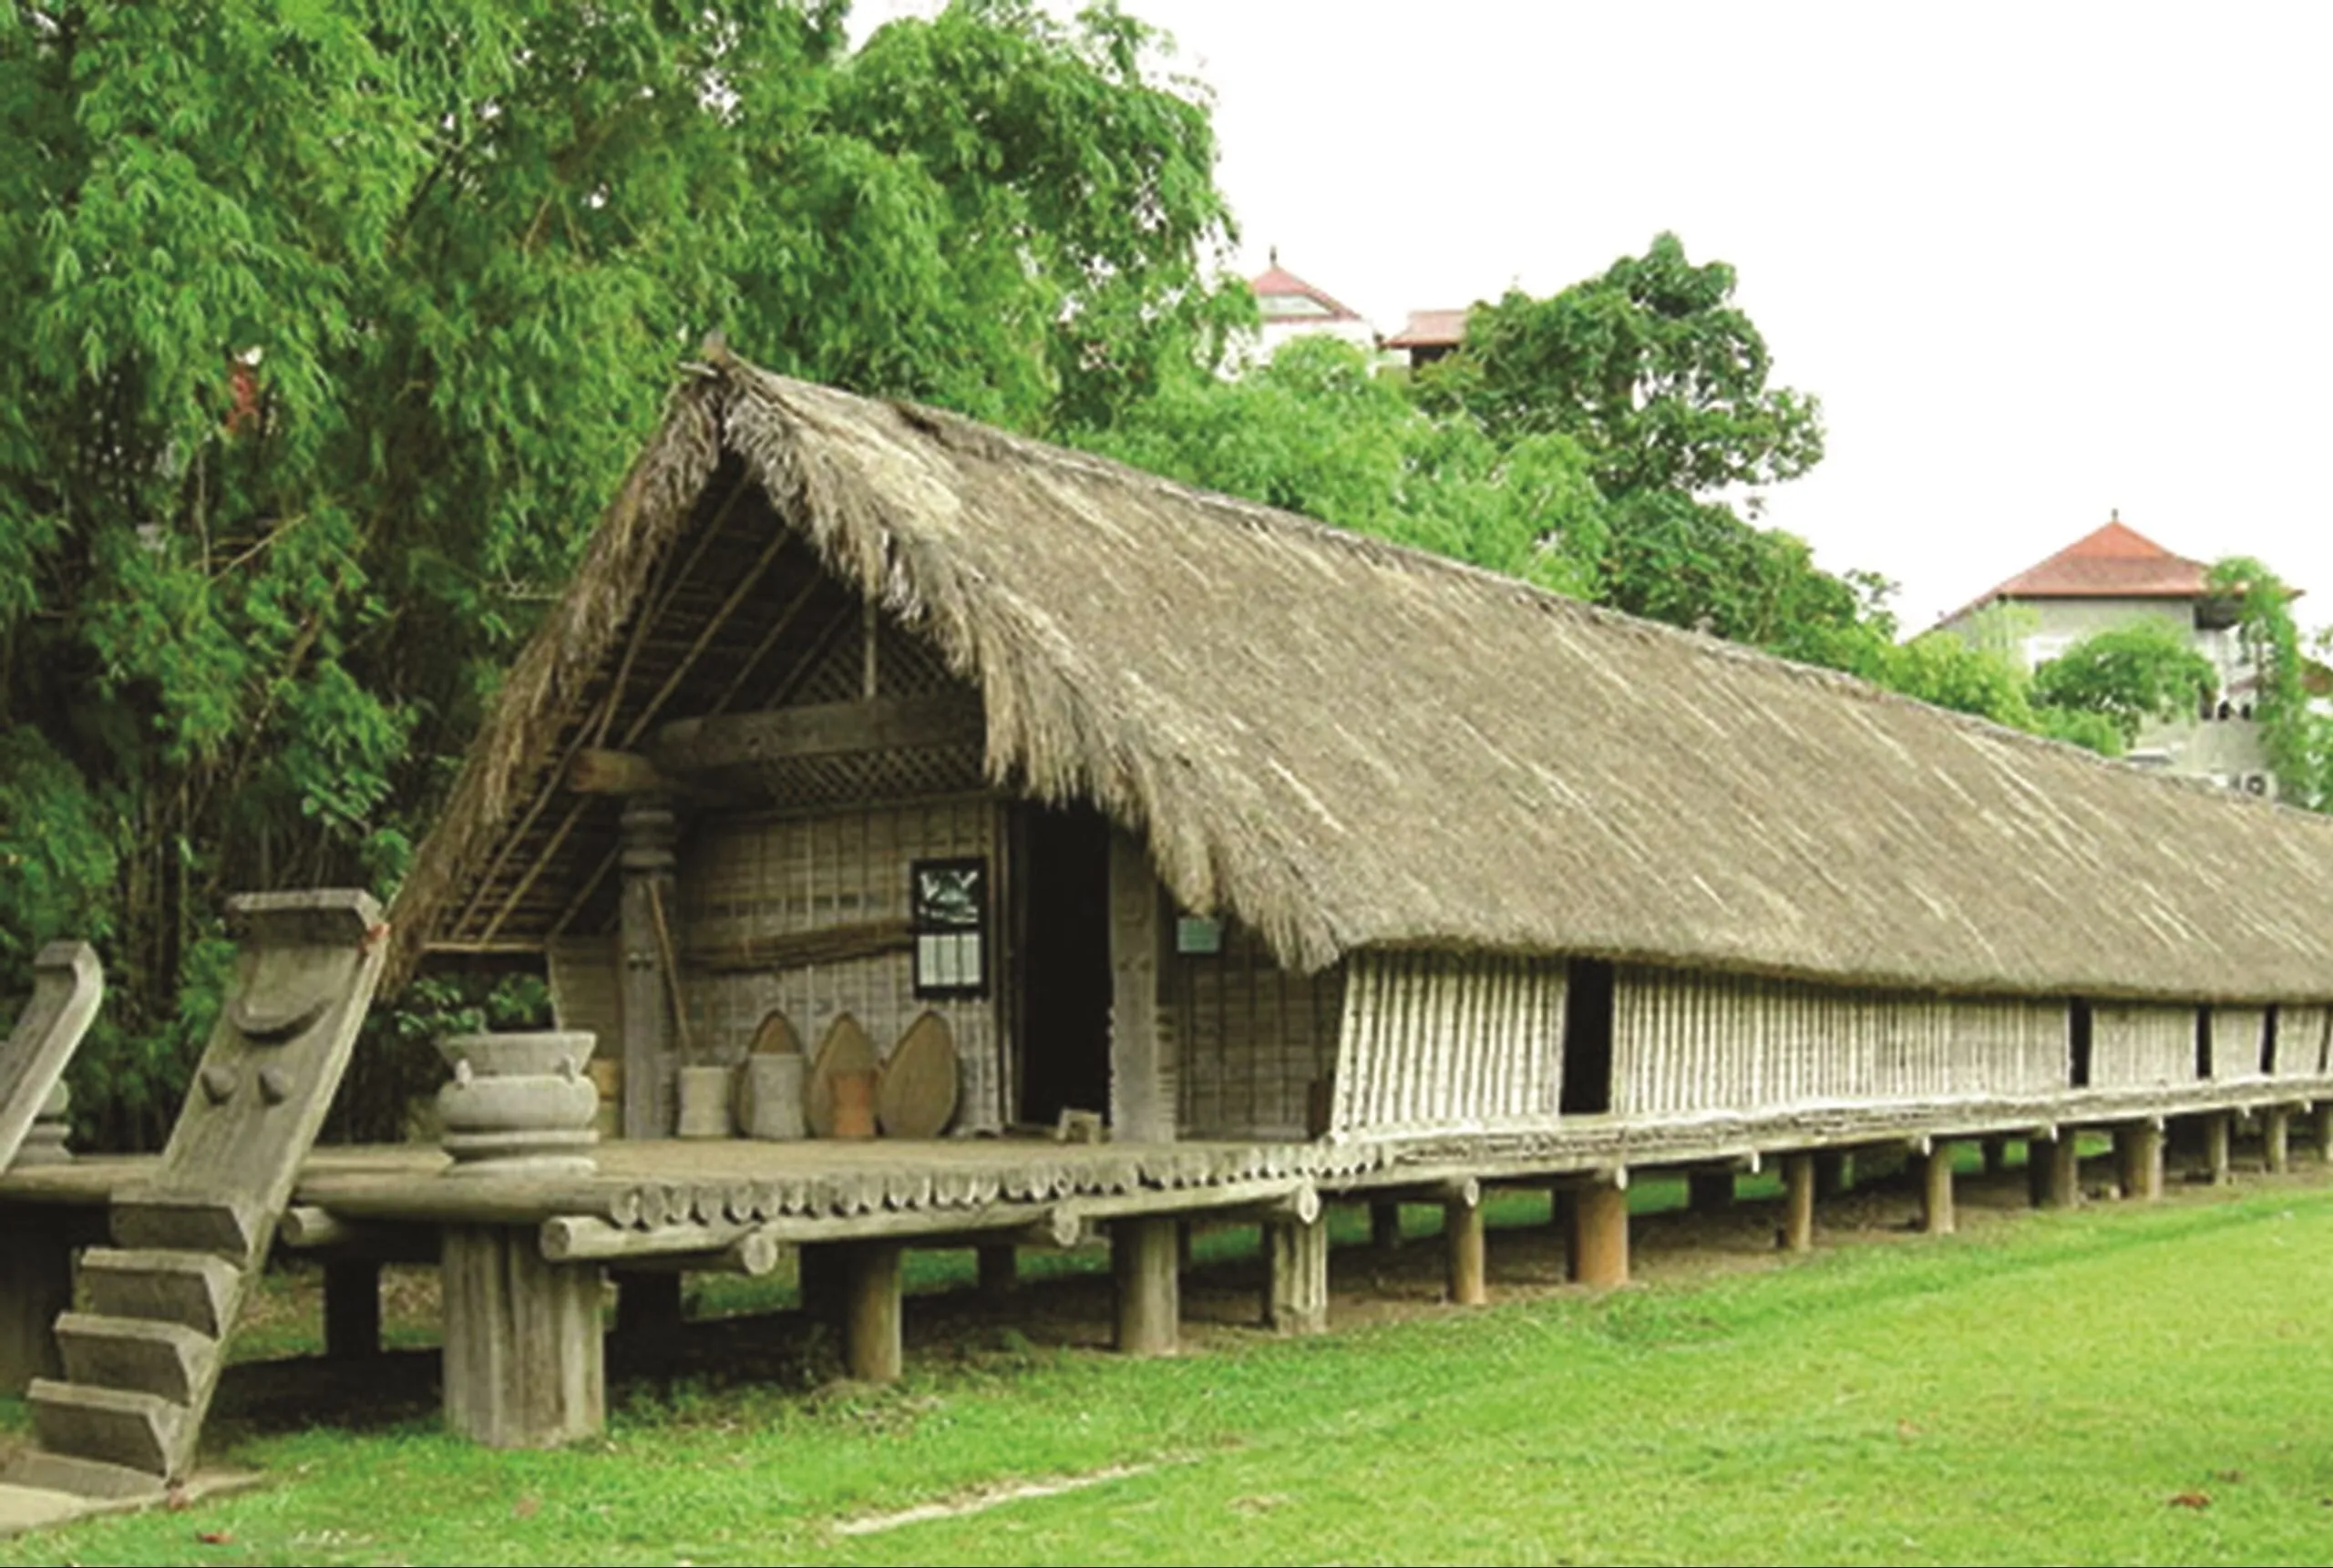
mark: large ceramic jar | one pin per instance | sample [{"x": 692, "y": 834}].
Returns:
[{"x": 520, "y": 1104}]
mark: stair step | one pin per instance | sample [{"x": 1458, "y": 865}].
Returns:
[
  {"x": 143, "y": 1355},
  {"x": 192, "y": 1289},
  {"x": 40, "y": 1471},
  {"x": 159, "y": 1221},
  {"x": 135, "y": 1431}
]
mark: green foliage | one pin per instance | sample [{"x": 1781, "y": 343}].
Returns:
[
  {"x": 336, "y": 322},
  {"x": 2129, "y": 675},
  {"x": 2300, "y": 741}
]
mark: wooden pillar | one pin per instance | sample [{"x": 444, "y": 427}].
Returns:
[
  {"x": 352, "y": 1309},
  {"x": 872, "y": 1339},
  {"x": 1296, "y": 1299},
  {"x": 1996, "y": 1156},
  {"x": 2325, "y": 1131},
  {"x": 1600, "y": 1224},
  {"x": 524, "y": 1367},
  {"x": 1467, "y": 1249},
  {"x": 2054, "y": 1172},
  {"x": 1142, "y": 1066},
  {"x": 2138, "y": 1159},
  {"x": 36, "y": 1285},
  {"x": 1708, "y": 1191},
  {"x": 1831, "y": 1173},
  {"x": 2219, "y": 1140},
  {"x": 1150, "y": 1304},
  {"x": 648, "y": 1301},
  {"x": 2277, "y": 1135},
  {"x": 648, "y": 909},
  {"x": 1000, "y": 1270},
  {"x": 1937, "y": 1215},
  {"x": 1798, "y": 1202},
  {"x": 1385, "y": 1227}
]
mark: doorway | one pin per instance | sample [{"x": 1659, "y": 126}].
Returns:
[{"x": 1063, "y": 969}]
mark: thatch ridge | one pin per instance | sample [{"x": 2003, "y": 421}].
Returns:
[{"x": 1482, "y": 797}]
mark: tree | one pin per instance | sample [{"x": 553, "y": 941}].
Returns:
[
  {"x": 2131, "y": 674},
  {"x": 335, "y": 324}
]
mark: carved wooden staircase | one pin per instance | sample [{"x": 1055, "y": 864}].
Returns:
[{"x": 141, "y": 1364}]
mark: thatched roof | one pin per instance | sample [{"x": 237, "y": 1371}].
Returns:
[{"x": 1346, "y": 743}]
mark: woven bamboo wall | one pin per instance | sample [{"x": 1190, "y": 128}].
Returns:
[
  {"x": 747, "y": 879},
  {"x": 1685, "y": 1042},
  {"x": 2135, "y": 1045},
  {"x": 2304, "y": 1041},
  {"x": 1441, "y": 1040},
  {"x": 586, "y": 988},
  {"x": 1252, "y": 1039},
  {"x": 2236, "y": 1041}
]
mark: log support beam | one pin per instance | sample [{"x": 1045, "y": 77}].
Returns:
[
  {"x": 1600, "y": 1233},
  {"x": 2219, "y": 1143},
  {"x": 1142, "y": 1256},
  {"x": 1467, "y": 1248},
  {"x": 1798, "y": 1202},
  {"x": 1385, "y": 1227},
  {"x": 873, "y": 1339},
  {"x": 36, "y": 1285},
  {"x": 1936, "y": 1217},
  {"x": 352, "y": 1309},
  {"x": 650, "y": 1062},
  {"x": 2277, "y": 1135},
  {"x": 1996, "y": 1156},
  {"x": 524, "y": 1362},
  {"x": 2138, "y": 1160},
  {"x": 1296, "y": 1294},
  {"x": 2053, "y": 1171}
]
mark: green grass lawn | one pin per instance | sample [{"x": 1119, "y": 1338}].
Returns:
[{"x": 2118, "y": 1384}]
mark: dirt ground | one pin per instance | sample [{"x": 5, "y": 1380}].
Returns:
[{"x": 1221, "y": 1300}]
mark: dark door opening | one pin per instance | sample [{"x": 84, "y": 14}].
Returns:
[
  {"x": 2079, "y": 1038},
  {"x": 1588, "y": 1039},
  {"x": 1063, "y": 965}
]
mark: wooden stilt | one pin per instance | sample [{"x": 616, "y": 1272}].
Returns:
[
  {"x": 1937, "y": 1215},
  {"x": 648, "y": 1301},
  {"x": 352, "y": 1309},
  {"x": 1385, "y": 1227},
  {"x": 1142, "y": 1260},
  {"x": 1708, "y": 1191},
  {"x": 1000, "y": 1270},
  {"x": 1296, "y": 1299},
  {"x": 2138, "y": 1159},
  {"x": 871, "y": 1325},
  {"x": 2277, "y": 1135},
  {"x": 36, "y": 1285},
  {"x": 2054, "y": 1172},
  {"x": 1601, "y": 1224},
  {"x": 1996, "y": 1156},
  {"x": 524, "y": 1367},
  {"x": 1798, "y": 1201},
  {"x": 2219, "y": 1141},
  {"x": 1462, "y": 1228}
]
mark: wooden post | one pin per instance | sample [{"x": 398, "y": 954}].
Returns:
[
  {"x": 1996, "y": 1156},
  {"x": 352, "y": 1309},
  {"x": 649, "y": 1064},
  {"x": 1142, "y": 1070},
  {"x": 1709, "y": 1191},
  {"x": 2054, "y": 1172},
  {"x": 1142, "y": 1263},
  {"x": 36, "y": 1285},
  {"x": 1296, "y": 1300},
  {"x": 1600, "y": 1224},
  {"x": 1000, "y": 1270},
  {"x": 1831, "y": 1174},
  {"x": 1469, "y": 1269},
  {"x": 648, "y": 1301},
  {"x": 1798, "y": 1201},
  {"x": 2219, "y": 1141},
  {"x": 2278, "y": 1136},
  {"x": 524, "y": 1367},
  {"x": 873, "y": 1342},
  {"x": 1936, "y": 1217},
  {"x": 2138, "y": 1159},
  {"x": 2325, "y": 1131},
  {"x": 1385, "y": 1227}
]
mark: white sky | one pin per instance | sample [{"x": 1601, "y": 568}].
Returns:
[{"x": 2039, "y": 263}]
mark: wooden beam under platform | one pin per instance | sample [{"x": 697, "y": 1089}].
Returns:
[{"x": 725, "y": 741}]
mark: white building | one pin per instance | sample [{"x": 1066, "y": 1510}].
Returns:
[{"x": 1293, "y": 307}]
